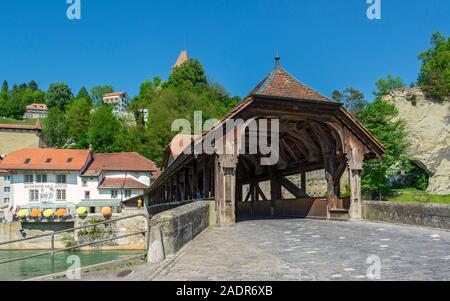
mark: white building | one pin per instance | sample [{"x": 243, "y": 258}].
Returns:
[
  {"x": 54, "y": 179},
  {"x": 5, "y": 188},
  {"x": 119, "y": 101}
]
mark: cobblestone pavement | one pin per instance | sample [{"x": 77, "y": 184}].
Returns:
[{"x": 312, "y": 250}]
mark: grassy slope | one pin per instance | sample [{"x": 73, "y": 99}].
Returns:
[
  {"x": 417, "y": 196},
  {"x": 19, "y": 122}
]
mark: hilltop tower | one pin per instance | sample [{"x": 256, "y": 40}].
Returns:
[{"x": 183, "y": 57}]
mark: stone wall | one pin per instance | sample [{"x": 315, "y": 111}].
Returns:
[
  {"x": 180, "y": 225},
  {"x": 428, "y": 215},
  {"x": 11, "y": 141}
]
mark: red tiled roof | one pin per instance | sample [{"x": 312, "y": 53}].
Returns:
[
  {"x": 35, "y": 127},
  {"x": 114, "y": 94},
  {"x": 121, "y": 183},
  {"x": 282, "y": 84},
  {"x": 46, "y": 159},
  {"x": 37, "y": 106},
  {"x": 119, "y": 162},
  {"x": 181, "y": 59}
]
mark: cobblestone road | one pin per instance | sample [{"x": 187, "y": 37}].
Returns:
[{"x": 312, "y": 250}]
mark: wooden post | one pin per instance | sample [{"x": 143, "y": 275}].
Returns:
[
  {"x": 303, "y": 185},
  {"x": 355, "y": 212},
  {"x": 171, "y": 198},
  {"x": 226, "y": 189},
  {"x": 330, "y": 172},
  {"x": 206, "y": 180},
  {"x": 355, "y": 158},
  {"x": 275, "y": 189},
  {"x": 194, "y": 182}
]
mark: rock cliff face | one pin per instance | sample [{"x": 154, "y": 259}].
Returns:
[{"x": 428, "y": 124}]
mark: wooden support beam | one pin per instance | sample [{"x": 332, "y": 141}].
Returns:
[
  {"x": 292, "y": 188},
  {"x": 303, "y": 185},
  {"x": 261, "y": 193}
]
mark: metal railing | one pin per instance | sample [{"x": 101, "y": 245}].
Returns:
[{"x": 53, "y": 251}]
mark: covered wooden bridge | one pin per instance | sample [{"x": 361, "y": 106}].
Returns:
[{"x": 315, "y": 133}]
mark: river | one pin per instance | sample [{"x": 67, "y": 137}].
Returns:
[{"x": 41, "y": 266}]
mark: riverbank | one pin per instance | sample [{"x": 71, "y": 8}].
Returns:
[{"x": 41, "y": 266}]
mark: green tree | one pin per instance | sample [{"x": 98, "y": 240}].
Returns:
[
  {"x": 381, "y": 119},
  {"x": 59, "y": 95},
  {"x": 352, "y": 99},
  {"x": 33, "y": 86},
  {"x": 387, "y": 85},
  {"x": 434, "y": 77},
  {"x": 5, "y": 87},
  {"x": 78, "y": 121},
  {"x": 188, "y": 75},
  {"x": 97, "y": 93},
  {"x": 84, "y": 94},
  {"x": 103, "y": 130},
  {"x": 55, "y": 128}
]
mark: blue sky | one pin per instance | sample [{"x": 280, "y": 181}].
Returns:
[{"x": 328, "y": 44}]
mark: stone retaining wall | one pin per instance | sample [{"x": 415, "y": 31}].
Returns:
[
  {"x": 427, "y": 215},
  {"x": 180, "y": 225}
]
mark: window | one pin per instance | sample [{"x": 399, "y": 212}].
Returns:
[
  {"x": 128, "y": 193},
  {"x": 48, "y": 161},
  {"x": 7, "y": 189},
  {"x": 27, "y": 161},
  {"x": 7, "y": 178},
  {"x": 114, "y": 194},
  {"x": 29, "y": 179},
  {"x": 69, "y": 160},
  {"x": 61, "y": 195},
  {"x": 41, "y": 178},
  {"x": 87, "y": 195},
  {"x": 34, "y": 195},
  {"x": 61, "y": 179},
  {"x": 6, "y": 200},
  {"x": 84, "y": 183}
]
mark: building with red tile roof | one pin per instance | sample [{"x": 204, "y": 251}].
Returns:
[
  {"x": 119, "y": 101},
  {"x": 63, "y": 178},
  {"x": 35, "y": 111}
]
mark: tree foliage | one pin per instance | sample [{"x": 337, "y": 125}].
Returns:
[
  {"x": 188, "y": 75},
  {"x": 84, "y": 94},
  {"x": 434, "y": 77},
  {"x": 381, "y": 119},
  {"x": 352, "y": 99},
  {"x": 104, "y": 127},
  {"x": 59, "y": 95},
  {"x": 97, "y": 93},
  {"x": 55, "y": 127},
  {"x": 386, "y": 85},
  {"x": 78, "y": 122},
  {"x": 13, "y": 102}
]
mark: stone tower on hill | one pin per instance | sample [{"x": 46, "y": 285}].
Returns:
[{"x": 181, "y": 59}]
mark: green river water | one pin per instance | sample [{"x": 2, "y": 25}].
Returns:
[{"x": 41, "y": 266}]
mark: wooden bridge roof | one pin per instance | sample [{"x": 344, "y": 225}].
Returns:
[{"x": 281, "y": 88}]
